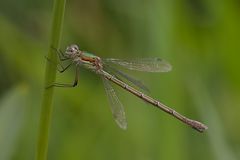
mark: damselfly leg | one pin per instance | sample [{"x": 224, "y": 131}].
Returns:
[
  {"x": 62, "y": 57},
  {"x": 60, "y": 54},
  {"x": 74, "y": 84},
  {"x": 63, "y": 68}
]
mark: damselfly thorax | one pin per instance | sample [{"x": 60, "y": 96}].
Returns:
[{"x": 88, "y": 60}]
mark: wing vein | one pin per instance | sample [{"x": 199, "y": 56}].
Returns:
[
  {"x": 143, "y": 64},
  {"x": 115, "y": 105}
]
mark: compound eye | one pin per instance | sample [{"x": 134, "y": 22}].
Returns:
[
  {"x": 74, "y": 47},
  {"x": 69, "y": 49}
]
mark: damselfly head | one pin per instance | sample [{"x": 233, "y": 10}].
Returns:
[{"x": 72, "y": 50}]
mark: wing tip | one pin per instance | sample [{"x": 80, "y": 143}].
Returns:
[{"x": 122, "y": 125}]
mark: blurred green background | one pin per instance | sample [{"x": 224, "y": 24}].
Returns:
[{"x": 200, "y": 38}]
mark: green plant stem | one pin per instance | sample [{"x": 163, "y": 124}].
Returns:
[{"x": 50, "y": 76}]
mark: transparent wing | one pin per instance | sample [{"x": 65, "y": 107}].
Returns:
[
  {"x": 134, "y": 81},
  {"x": 143, "y": 64},
  {"x": 116, "y": 106}
]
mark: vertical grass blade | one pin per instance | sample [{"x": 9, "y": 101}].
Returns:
[
  {"x": 207, "y": 109},
  {"x": 50, "y": 75},
  {"x": 12, "y": 120}
]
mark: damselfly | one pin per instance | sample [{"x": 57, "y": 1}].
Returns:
[{"x": 103, "y": 67}]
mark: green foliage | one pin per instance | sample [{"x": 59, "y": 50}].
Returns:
[
  {"x": 12, "y": 113},
  {"x": 50, "y": 76},
  {"x": 199, "y": 38}
]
